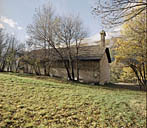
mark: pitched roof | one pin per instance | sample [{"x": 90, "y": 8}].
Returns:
[
  {"x": 90, "y": 51},
  {"x": 86, "y": 53},
  {"x": 94, "y": 52}
]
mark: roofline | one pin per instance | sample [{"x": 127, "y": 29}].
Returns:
[{"x": 82, "y": 58}]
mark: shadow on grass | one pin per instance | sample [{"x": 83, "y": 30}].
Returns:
[{"x": 124, "y": 86}]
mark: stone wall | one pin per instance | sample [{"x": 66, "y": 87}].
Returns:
[
  {"x": 104, "y": 70},
  {"x": 89, "y": 71}
]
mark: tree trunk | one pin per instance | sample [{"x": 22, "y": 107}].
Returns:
[
  {"x": 77, "y": 63},
  {"x": 67, "y": 70},
  {"x": 72, "y": 69},
  {"x": 45, "y": 71},
  {"x": 3, "y": 66},
  {"x": 141, "y": 81}
]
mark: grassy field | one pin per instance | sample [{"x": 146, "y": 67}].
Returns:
[{"x": 33, "y": 102}]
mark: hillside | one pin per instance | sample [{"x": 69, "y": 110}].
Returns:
[{"x": 34, "y": 102}]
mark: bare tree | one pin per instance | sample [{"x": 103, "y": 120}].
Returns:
[
  {"x": 40, "y": 32},
  {"x": 80, "y": 34},
  {"x": 70, "y": 32},
  {"x": 3, "y": 45},
  {"x": 42, "y": 29},
  {"x": 61, "y": 34},
  {"x": 14, "y": 51},
  {"x": 114, "y": 12},
  {"x": 10, "y": 52}
]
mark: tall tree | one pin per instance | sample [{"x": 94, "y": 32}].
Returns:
[
  {"x": 41, "y": 34},
  {"x": 69, "y": 33},
  {"x": 10, "y": 52},
  {"x": 3, "y": 45},
  {"x": 14, "y": 51},
  {"x": 61, "y": 33},
  {"x": 132, "y": 50}
]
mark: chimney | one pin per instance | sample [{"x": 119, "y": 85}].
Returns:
[{"x": 103, "y": 34}]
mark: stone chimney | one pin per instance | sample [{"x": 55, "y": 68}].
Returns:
[{"x": 103, "y": 34}]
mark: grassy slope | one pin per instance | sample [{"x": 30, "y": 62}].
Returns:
[{"x": 29, "y": 103}]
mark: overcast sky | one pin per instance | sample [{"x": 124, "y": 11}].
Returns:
[{"x": 15, "y": 15}]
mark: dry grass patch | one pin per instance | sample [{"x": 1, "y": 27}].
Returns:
[{"x": 44, "y": 103}]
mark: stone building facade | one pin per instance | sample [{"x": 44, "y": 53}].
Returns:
[{"x": 93, "y": 64}]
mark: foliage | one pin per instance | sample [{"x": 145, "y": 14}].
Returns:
[
  {"x": 132, "y": 49},
  {"x": 116, "y": 70},
  {"x": 122, "y": 73},
  {"x": 32, "y": 102},
  {"x": 128, "y": 75}
]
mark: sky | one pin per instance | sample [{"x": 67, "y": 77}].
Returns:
[{"x": 16, "y": 15}]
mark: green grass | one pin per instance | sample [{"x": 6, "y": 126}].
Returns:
[{"x": 34, "y": 102}]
